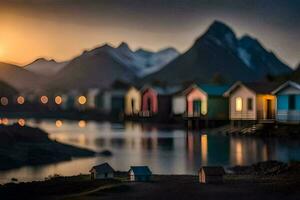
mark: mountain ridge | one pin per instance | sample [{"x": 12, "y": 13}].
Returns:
[{"x": 220, "y": 53}]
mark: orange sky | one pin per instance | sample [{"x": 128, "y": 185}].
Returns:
[{"x": 62, "y": 29}]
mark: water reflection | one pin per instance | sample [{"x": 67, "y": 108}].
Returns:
[{"x": 165, "y": 151}]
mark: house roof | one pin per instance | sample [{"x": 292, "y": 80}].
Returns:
[
  {"x": 286, "y": 84},
  {"x": 213, "y": 170},
  {"x": 103, "y": 168},
  {"x": 140, "y": 170},
  {"x": 256, "y": 87},
  {"x": 209, "y": 89},
  {"x": 162, "y": 90},
  {"x": 214, "y": 90}
]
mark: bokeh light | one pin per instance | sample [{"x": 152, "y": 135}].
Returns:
[
  {"x": 21, "y": 122},
  {"x": 58, "y": 100},
  {"x": 82, "y": 123},
  {"x": 44, "y": 99},
  {"x": 58, "y": 123},
  {"x": 4, "y": 101},
  {"x": 5, "y": 121},
  {"x": 82, "y": 100},
  {"x": 21, "y": 100}
]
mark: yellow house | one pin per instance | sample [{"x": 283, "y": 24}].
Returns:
[
  {"x": 133, "y": 101},
  {"x": 251, "y": 101}
]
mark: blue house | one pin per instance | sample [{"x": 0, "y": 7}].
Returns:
[{"x": 288, "y": 102}]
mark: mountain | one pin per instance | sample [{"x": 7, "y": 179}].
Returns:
[
  {"x": 102, "y": 66},
  {"x": 219, "y": 54},
  {"x": 45, "y": 67},
  {"x": 141, "y": 61},
  {"x": 19, "y": 77},
  {"x": 296, "y": 75},
  {"x": 7, "y": 90}
]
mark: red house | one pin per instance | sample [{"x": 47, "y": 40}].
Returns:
[
  {"x": 149, "y": 101},
  {"x": 157, "y": 101}
]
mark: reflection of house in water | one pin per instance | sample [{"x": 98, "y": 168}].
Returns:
[
  {"x": 244, "y": 151},
  {"x": 207, "y": 149},
  {"x": 117, "y": 142}
]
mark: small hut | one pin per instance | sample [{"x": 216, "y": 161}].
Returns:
[
  {"x": 133, "y": 101},
  {"x": 140, "y": 173},
  {"x": 212, "y": 174},
  {"x": 102, "y": 171},
  {"x": 288, "y": 102}
]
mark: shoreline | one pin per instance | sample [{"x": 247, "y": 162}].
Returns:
[{"x": 251, "y": 186}]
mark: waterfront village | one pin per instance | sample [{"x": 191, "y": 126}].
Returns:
[
  {"x": 245, "y": 106},
  {"x": 202, "y": 105}
]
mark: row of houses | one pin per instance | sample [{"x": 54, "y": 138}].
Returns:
[{"x": 241, "y": 101}]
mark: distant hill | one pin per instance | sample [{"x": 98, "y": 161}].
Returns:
[
  {"x": 219, "y": 55},
  {"x": 104, "y": 65},
  {"x": 45, "y": 67},
  {"x": 19, "y": 78},
  {"x": 7, "y": 90}
]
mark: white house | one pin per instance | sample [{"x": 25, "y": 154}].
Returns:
[
  {"x": 103, "y": 171},
  {"x": 251, "y": 101}
]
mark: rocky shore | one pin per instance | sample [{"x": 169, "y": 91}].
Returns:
[{"x": 23, "y": 145}]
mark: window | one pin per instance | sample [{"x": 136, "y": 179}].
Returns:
[
  {"x": 250, "y": 104},
  {"x": 239, "y": 104},
  {"x": 292, "y": 102}
]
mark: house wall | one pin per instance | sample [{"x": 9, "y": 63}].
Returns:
[
  {"x": 202, "y": 176},
  {"x": 106, "y": 102},
  {"x": 214, "y": 179},
  {"x": 133, "y": 95},
  {"x": 283, "y": 113},
  {"x": 194, "y": 95},
  {"x": 102, "y": 176},
  {"x": 217, "y": 108},
  {"x": 179, "y": 105},
  {"x": 164, "y": 106},
  {"x": 91, "y": 98},
  {"x": 151, "y": 95},
  {"x": 245, "y": 114},
  {"x": 261, "y": 104}
]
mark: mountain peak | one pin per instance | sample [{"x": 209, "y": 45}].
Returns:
[
  {"x": 221, "y": 34},
  {"x": 123, "y": 45},
  {"x": 219, "y": 29},
  {"x": 249, "y": 42}
]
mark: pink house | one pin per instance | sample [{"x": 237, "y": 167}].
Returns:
[
  {"x": 149, "y": 101},
  {"x": 196, "y": 102}
]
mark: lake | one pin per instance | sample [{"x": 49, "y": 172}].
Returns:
[{"x": 166, "y": 151}]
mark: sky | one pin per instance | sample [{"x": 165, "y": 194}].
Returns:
[{"x": 62, "y": 29}]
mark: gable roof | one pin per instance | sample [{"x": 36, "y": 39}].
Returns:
[
  {"x": 256, "y": 87},
  {"x": 162, "y": 90},
  {"x": 286, "y": 84},
  {"x": 140, "y": 170},
  {"x": 213, "y": 170},
  {"x": 214, "y": 90},
  {"x": 208, "y": 89},
  {"x": 103, "y": 168}
]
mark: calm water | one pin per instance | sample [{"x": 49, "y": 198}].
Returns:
[{"x": 165, "y": 151}]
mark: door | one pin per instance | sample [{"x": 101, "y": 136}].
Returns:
[
  {"x": 133, "y": 106},
  {"x": 149, "y": 105},
  {"x": 197, "y": 107},
  {"x": 269, "y": 109}
]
